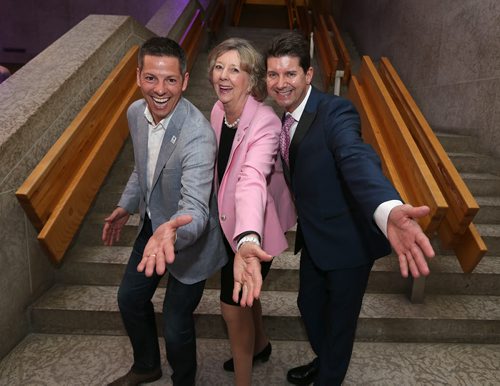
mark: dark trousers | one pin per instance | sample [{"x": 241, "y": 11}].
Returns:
[
  {"x": 330, "y": 302},
  {"x": 136, "y": 308}
]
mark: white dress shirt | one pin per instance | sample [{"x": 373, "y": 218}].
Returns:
[
  {"x": 156, "y": 133},
  {"x": 381, "y": 214}
]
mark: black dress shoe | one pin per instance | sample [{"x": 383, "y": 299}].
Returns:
[
  {"x": 133, "y": 379},
  {"x": 263, "y": 356},
  {"x": 303, "y": 375}
]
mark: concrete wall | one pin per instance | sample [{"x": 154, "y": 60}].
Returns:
[
  {"x": 447, "y": 52},
  {"x": 36, "y": 104}
]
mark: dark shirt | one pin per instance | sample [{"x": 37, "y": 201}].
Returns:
[{"x": 226, "y": 142}]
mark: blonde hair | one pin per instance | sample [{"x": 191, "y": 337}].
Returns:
[{"x": 251, "y": 61}]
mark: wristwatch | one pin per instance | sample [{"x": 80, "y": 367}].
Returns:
[{"x": 248, "y": 239}]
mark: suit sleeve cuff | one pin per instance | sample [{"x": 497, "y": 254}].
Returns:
[{"x": 381, "y": 214}]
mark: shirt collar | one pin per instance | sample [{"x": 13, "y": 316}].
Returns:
[
  {"x": 149, "y": 117},
  {"x": 297, "y": 113}
]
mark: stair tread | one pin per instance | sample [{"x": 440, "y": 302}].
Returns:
[
  {"x": 284, "y": 304},
  {"x": 479, "y": 176},
  {"x": 286, "y": 261},
  {"x": 99, "y": 359},
  {"x": 491, "y": 230},
  {"x": 452, "y": 135},
  {"x": 470, "y": 154},
  {"x": 488, "y": 200}
]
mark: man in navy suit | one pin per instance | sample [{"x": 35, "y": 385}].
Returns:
[{"x": 347, "y": 211}]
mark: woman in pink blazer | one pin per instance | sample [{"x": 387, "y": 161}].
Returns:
[{"x": 254, "y": 202}]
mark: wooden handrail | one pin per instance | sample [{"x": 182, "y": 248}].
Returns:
[
  {"x": 58, "y": 193},
  {"x": 216, "y": 20},
  {"x": 238, "y": 7},
  {"x": 304, "y": 18},
  {"x": 456, "y": 232},
  {"x": 385, "y": 129},
  {"x": 327, "y": 56},
  {"x": 192, "y": 37},
  {"x": 340, "y": 47}
]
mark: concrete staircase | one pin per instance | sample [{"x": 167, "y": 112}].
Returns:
[{"x": 461, "y": 312}]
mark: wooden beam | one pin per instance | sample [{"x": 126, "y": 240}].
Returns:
[
  {"x": 418, "y": 186},
  {"x": 59, "y": 191},
  {"x": 456, "y": 231}
]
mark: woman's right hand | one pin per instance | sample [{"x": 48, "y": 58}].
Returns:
[{"x": 247, "y": 273}]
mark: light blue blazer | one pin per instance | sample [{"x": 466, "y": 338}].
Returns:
[{"x": 182, "y": 184}]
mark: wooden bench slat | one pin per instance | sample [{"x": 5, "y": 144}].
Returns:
[
  {"x": 464, "y": 206},
  {"x": 191, "y": 39},
  {"x": 59, "y": 173},
  {"x": 57, "y": 234},
  {"x": 470, "y": 249},
  {"x": 344, "y": 57},
  {"x": 217, "y": 19},
  {"x": 40, "y": 191},
  {"x": 456, "y": 231},
  {"x": 304, "y": 18},
  {"x": 327, "y": 56},
  {"x": 370, "y": 125},
  {"x": 417, "y": 179}
]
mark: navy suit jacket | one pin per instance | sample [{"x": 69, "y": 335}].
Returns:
[{"x": 337, "y": 183}]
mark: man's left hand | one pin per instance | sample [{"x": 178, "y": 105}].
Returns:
[
  {"x": 159, "y": 250},
  {"x": 408, "y": 240}
]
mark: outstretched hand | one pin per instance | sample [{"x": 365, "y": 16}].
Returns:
[
  {"x": 159, "y": 250},
  {"x": 113, "y": 225},
  {"x": 247, "y": 273},
  {"x": 408, "y": 240}
]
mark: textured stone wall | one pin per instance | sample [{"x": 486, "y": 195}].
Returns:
[
  {"x": 447, "y": 52},
  {"x": 36, "y": 104}
]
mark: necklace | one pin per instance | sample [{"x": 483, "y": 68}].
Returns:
[{"x": 232, "y": 125}]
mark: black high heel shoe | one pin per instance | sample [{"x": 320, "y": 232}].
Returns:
[{"x": 262, "y": 356}]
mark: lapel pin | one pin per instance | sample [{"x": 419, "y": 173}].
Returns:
[{"x": 173, "y": 139}]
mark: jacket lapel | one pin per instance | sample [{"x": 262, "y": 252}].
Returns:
[
  {"x": 172, "y": 133},
  {"x": 303, "y": 126},
  {"x": 142, "y": 149},
  {"x": 249, "y": 111}
]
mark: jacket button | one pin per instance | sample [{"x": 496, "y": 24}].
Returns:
[{"x": 223, "y": 217}]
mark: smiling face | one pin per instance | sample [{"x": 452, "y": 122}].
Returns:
[
  {"x": 286, "y": 81},
  {"x": 162, "y": 84},
  {"x": 231, "y": 83}
]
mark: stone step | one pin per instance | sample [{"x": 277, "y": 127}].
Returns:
[
  {"x": 80, "y": 309},
  {"x": 90, "y": 234},
  {"x": 482, "y": 184},
  {"x": 473, "y": 162},
  {"x": 105, "y": 265},
  {"x": 99, "y": 359},
  {"x": 489, "y": 210},
  {"x": 457, "y": 142}
]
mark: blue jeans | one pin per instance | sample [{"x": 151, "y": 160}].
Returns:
[{"x": 136, "y": 308}]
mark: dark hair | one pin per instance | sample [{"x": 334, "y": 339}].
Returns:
[
  {"x": 290, "y": 44},
  {"x": 159, "y": 46},
  {"x": 251, "y": 62}
]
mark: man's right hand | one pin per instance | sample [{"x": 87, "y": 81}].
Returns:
[{"x": 113, "y": 225}]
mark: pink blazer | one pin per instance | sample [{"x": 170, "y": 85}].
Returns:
[{"x": 253, "y": 195}]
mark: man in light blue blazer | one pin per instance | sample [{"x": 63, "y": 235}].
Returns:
[{"x": 171, "y": 188}]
